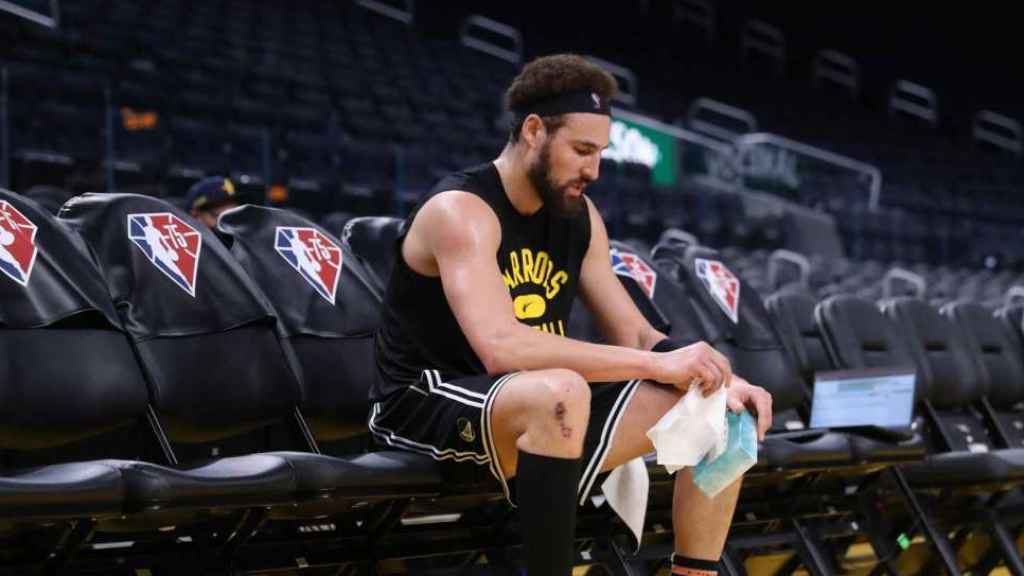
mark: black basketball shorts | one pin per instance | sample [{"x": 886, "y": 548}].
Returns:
[{"x": 451, "y": 422}]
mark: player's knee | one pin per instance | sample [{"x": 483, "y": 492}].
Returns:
[
  {"x": 565, "y": 391},
  {"x": 560, "y": 408}
]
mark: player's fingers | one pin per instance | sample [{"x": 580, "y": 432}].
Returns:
[
  {"x": 763, "y": 404},
  {"x": 736, "y": 405},
  {"x": 723, "y": 365},
  {"x": 706, "y": 376},
  {"x": 713, "y": 379}
]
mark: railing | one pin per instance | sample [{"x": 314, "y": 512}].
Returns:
[
  {"x": 679, "y": 133},
  {"x": 405, "y": 13},
  {"x": 998, "y": 130},
  {"x": 837, "y": 68},
  {"x": 900, "y": 274},
  {"x": 704, "y": 107},
  {"x": 764, "y": 39},
  {"x": 747, "y": 143},
  {"x": 697, "y": 13},
  {"x": 663, "y": 147},
  {"x": 914, "y": 100},
  {"x": 470, "y": 37},
  {"x": 51, "y": 21}
]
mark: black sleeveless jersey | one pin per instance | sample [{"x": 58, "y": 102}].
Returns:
[{"x": 539, "y": 258}]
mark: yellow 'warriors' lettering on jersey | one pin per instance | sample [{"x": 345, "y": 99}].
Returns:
[
  {"x": 526, "y": 258},
  {"x": 528, "y": 267},
  {"x": 514, "y": 258},
  {"x": 556, "y": 284},
  {"x": 552, "y": 328}
]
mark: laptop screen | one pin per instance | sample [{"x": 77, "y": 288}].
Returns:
[{"x": 871, "y": 397}]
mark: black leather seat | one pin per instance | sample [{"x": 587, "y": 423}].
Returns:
[
  {"x": 70, "y": 490},
  {"x": 391, "y": 472},
  {"x": 373, "y": 239},
  {"x": 329, "y": 309},
  {"x": 859, "y": 336},
  {"x": 995, "y": 349},
  {"x": 736, "y": 323},
  {"x": 666, "y": 309},
  {"x": 794, "y": 316},
  {"x": 208, "y": 343},
  {"x": 228, "y": 482},
  {"x": 53, "y": 305},
  {"x": 955, "y": 392}
]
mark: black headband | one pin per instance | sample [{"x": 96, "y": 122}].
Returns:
[{"x": 591, "y": 102}]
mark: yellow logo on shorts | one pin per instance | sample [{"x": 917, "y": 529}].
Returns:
[{"x": 465, "y": 428}]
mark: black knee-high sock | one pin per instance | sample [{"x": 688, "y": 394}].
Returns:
[{"x": 546, "y": 494}]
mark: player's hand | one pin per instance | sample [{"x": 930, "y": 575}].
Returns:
[
  {"x": 744, "y": 395},
  {"x": 694, "y": 365}
]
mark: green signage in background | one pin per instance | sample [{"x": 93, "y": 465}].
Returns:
[{"x": 633, "y": 142}]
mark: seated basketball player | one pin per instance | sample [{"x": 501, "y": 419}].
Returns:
[{"x": 474, "y": 364}]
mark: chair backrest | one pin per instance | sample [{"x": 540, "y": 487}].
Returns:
[
  {"x": 939, "y": 347},
  {"x": 995, "y": 349},
  {"x": 857, "y": 335},
  {"x": 69, "y": 372},
  {"x": 640, "y": 277},
  {"x": 995, "y": 344},
  {"x": 658, "y": 293},
  {"x": 205, "y": 335},
  {"x": 373, "y": 239},
  {"x": 735, "y": 321},
  {"x": 1012, "y": 317},
  {"x": 327, "y": 305},
  {"x": 793, "y": 315}
]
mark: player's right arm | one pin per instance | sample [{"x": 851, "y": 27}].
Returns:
[{"x": 456, "y": 236}]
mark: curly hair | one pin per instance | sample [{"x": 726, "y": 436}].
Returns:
[{"x": 550, "y": 76}]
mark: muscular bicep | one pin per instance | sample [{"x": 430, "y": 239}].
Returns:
[
  {"x": 614, "y": 311},
  {"x": 463, "y": 238}
]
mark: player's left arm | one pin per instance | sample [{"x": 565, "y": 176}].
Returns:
[
  {"x": 615, "y": 313},
  {"x": 622, "y": 323}
]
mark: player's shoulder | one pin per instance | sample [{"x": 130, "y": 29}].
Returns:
[
  {"x": 458, "y": 216},
  {"x": 458, "y": 205}
]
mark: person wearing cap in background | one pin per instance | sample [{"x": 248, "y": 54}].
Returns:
[{"x": 210, "y": 197}]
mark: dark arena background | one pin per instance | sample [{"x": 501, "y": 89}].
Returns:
[{"x": 195, "y": 402}]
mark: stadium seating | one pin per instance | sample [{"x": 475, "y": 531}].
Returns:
[
  {"x": 859, "y": 336},
  {"x": 199, "y": 405},
  {"x": 57, "y": 306},
  {"x": 203, "y": 393},
  {"x": 327, "y": 306},
  {"x": 381, "y": 107},
  {"x": 681, "y": 305}
]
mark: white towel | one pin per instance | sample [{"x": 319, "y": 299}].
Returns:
[{"x": 693, "y": 428}]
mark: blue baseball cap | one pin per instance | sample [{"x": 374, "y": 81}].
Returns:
[{"x": 209, "y": 192}]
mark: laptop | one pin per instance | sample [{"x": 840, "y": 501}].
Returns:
[{"x": 872, "y": 398}]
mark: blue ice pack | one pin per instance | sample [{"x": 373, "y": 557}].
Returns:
[{"x": 739, "y": 456}]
